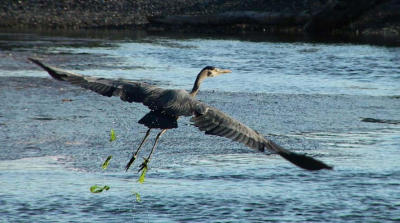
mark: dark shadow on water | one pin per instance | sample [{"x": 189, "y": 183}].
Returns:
[
  {"x": 138, "y": 34},
  {"x": 384, "y": 121}
]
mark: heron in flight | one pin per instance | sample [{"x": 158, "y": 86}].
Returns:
[{"x": 167, "y": 105}]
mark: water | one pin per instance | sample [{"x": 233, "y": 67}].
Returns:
[{"x": 311, "y": 97}]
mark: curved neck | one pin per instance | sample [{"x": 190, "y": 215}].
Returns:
[{"x": 196, "y": 86}]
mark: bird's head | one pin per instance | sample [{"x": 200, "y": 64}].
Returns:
[{"x": 210, "y": 71}]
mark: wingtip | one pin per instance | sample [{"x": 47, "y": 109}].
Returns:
[
  {"x": 54, "y": 72},
  {"x": 38, "y": 62},
  {"x": 300, "y": 160},
  {"x": 305, "y": 161},
  {"x": 35, "y": 60}
]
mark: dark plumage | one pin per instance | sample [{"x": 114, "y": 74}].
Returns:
[
  {"x": 167, "y": 105},
  {"x": 158, "y": 120}
]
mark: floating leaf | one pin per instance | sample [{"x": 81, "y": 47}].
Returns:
[
  {"x": 98, "y": 189},
  {"x": 105, "y": 164},
  {"x": 112, "y": 135},
  {"x": 137, "y": 196}
]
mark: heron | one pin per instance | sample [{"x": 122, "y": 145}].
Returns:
[{"x": 167, "y": 105}]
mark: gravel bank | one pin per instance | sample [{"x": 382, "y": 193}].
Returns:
[{"x": 379, "y": 19}]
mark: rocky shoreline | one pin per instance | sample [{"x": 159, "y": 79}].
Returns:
[{"x": 379, "y": 18}]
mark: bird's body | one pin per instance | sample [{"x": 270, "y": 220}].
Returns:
[
  {"x": 160, "y": 116},
  {"x": 167, "y": 105}
]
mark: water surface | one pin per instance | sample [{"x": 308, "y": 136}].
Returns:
[{"x": 311, "y": 97}]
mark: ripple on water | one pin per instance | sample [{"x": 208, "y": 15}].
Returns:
[{"x": 309, "y": 97}]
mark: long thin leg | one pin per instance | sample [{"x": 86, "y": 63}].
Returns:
[
  {"x": 137, "y": 151},
  {"x": 144, "y": 164},
  {"x": 155, "y": 142}
]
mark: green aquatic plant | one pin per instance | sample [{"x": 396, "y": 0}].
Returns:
[
  {"x": 137, "y": 195},
  {"x": 144, "y": 169},
  {"x": 98, "y": 188},
  {"x": 112, "y": 135},
  {"x": 106, "y": 163}
]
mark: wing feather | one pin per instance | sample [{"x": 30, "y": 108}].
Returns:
[
  {"x": 214, "y": 122},
  {"x": 170, "y": 102}
]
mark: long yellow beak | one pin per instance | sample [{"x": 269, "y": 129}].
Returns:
[{"x": 223, "y": 71}]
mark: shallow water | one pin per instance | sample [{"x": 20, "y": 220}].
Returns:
[{"x": 338, "y": 102}]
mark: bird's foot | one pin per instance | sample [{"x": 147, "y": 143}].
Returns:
[
  {"x": 144, "y": 165},
  {"x": 130, "y": 162},
  {"x": 143, "y": 168}
]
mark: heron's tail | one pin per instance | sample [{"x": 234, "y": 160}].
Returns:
[{"x": 299, "y": 160}]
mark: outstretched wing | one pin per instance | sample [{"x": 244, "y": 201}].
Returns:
[
  {"x": 214, "y": 122},
  {"x": 169, "y": 102},
  {"x": 177, "y": 103}
]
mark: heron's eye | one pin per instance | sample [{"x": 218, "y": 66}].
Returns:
[{"x": 209, "y": 73}]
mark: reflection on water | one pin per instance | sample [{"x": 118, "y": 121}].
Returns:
[{"x": 338, "y": 102}]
